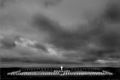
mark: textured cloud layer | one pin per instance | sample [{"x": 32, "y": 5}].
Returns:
[{"x": 96, "y": 37}]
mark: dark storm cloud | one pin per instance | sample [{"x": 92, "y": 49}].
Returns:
[
  {"x": 73, "y": 40},
  {"x": 7, "y": 43},
  {"x": 112, "y": 13},
  {"x": 111, "y": 40},
  {"x": 44, "y": 23},
  {"x": 59, "y": 37},
  {"x": 68, "y": 41}
]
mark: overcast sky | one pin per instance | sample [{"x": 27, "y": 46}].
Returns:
[{"x": 16, "y": 17}]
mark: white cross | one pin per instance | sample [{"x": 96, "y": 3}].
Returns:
[{"x": 61, "y": 68}]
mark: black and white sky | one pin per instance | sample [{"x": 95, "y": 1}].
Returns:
[{"x": 70, "y": 30}]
